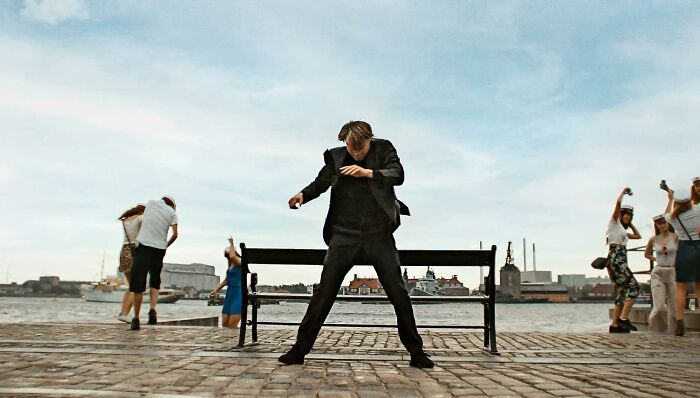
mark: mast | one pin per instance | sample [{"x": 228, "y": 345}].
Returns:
[{"x": 524, "y": 256}]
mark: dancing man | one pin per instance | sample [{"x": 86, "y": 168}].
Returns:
[{"x": 362, "y": 217}]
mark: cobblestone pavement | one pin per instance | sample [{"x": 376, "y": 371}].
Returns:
[{"x": 110, "y": 361}]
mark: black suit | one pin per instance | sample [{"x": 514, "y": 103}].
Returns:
[{"x": 362, "y": 216}]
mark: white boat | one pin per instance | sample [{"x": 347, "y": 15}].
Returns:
[{"x": 108, "y": 291}]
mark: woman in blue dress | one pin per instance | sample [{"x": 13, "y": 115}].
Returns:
[{"x": 231, "y": 313}]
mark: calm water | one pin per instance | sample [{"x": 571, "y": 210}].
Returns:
[{"x": 509, "y": 317}]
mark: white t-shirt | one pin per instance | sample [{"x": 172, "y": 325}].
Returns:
[
  {"x": 132, "y": 227},
  {"x": 617, "y": 235},
  {"x": 671, "y": 249},
  {"x": 157, "y": 218},
  {"x": 690, "y": 219}
]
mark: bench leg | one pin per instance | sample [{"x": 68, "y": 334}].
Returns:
[
  {"x": 244, "y": 315},
  {"x": 487, "y": 327},
  {"x": 492, "y": 329},
  {"x": 254, "y": 324}
]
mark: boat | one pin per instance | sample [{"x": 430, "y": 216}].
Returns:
[
  {"x": 427, "y": 286},
  {"x": 112, "y": 291}
]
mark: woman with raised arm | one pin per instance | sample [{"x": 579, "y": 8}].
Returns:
[
  {"x": 661, "y": 249},
  {"x": 685, "y": 219},
  {"x": 620, "y": 274},
  {"x": 231, "y": 313},
  {"x": 131, "y": 225},
  {"x": 695, "y": 191}
]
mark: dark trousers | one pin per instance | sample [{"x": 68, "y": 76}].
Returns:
[{"x": 381, "y": 254}]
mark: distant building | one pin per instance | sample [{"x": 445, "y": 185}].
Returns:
[
  {"x": 598, "y": 280},
  {"x": 452, "y": 286},
  {"x": 365, "y": 286},
  {"x": 602, "y": 291},
  {"x": 509, "y": 281},
  {"x": 572, "y": 280},
  {"x": 190, "y": 278},
  {"x": 536, "y": 277},
  {"x": 554, "y": 293}
]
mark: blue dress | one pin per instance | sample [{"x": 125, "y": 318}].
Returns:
[{"x": 232, "y": 302}]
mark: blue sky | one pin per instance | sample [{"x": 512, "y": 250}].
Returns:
[{"x": 512, "y": 119}]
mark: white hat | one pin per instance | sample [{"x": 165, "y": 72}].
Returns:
[
  {"x": 627, "y": 207},
  {"x": 659, "y": 217},
  {"x": 681, "y": 197},
  {"x": 696, "y": 179},
  {"x": 169, "y": 198}
]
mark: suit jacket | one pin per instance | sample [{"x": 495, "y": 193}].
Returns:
[{"x": 383, "y": 160}]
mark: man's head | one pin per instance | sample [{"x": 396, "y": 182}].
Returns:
[
  {"x": 356, "y": 136},
  {"x": 169, "y": 201}
]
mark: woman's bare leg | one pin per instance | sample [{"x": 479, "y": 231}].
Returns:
[
  {"x": 128, "y": 299},
  {"x": 233, "y": 320},
  {"x": 681, "y": 294},
  {"x": 224, "y": 320}
]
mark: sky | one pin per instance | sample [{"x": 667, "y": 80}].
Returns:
[{"x": 512, "y": 120}]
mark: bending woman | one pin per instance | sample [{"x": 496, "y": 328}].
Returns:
[
  {"x": 663, "y": 277},
  {"x": 620, "y": 274},
  {"x": 231, "y": 313},
  {"x": 131, "y": 225},
  {"x": 685, "y": 218}
]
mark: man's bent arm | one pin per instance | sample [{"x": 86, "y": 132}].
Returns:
[
  {"x": 319, "y": 185},
  {"x": 174, "y": 236},
  {"x": 392, "y": 171}
]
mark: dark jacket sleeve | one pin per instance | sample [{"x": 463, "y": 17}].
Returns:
[
  {"x": 391, "y": 171},
  {"x": 321, "y": 183}
]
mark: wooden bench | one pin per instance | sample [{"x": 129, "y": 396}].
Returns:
[{"x": 409, "y": 258}]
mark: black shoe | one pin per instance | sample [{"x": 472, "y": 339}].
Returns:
[
  {"x": 625, "y": 323},
  {"x": 421, "y": 360},
  {"x": 680, "y": 327},
  {"x": 152, "y": 319},
  {"x": 618, "y": 329},
  {"x": 135, "y": 324},
  {"x": 292, "y": 357}
]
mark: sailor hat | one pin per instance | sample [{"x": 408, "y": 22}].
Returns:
[
  {"x": 681, "y": 197},
  {"x": 696, "y": 179},
  {"x": 659, "y": 217},
  {"x": 628, "y": 208}
]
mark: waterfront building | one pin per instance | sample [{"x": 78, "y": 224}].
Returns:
[
  {"x": 509, "y": 281},
  {"x": 452, "y": 286},
  {"x": 572, "y": 280},
  {"x": 602, "y": 291},
  {"x": 365, "y": 286},
  {"x": 539, "y": 291},
  {"x": 536, "y": 277},
  {"x": 191, "y": 279},
  {"x": 598, "y": 280}
]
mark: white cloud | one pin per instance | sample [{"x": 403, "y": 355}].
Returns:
[{"x": 54, "y": 11}]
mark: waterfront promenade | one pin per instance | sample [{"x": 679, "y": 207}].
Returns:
[{"x": 101, "y": 360}]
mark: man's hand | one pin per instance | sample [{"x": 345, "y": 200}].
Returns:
[
  {"x": 356, "y": 171},
  {"x": 297, "y": 199}
]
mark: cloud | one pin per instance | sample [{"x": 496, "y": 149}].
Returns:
[{"x": 53, "y": 12}]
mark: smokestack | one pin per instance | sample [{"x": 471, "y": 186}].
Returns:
[
  {"x": 534, "y": 261},
  {"x": 524, "y": 255}
]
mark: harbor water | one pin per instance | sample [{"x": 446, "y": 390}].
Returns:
[{"x": 565, "y": 318}]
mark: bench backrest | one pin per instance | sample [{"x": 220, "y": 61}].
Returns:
[{"x": 409, "y": 258}]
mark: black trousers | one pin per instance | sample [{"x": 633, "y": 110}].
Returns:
[{"x": 381, "y": 254}]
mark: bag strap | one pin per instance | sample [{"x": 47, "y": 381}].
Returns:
[{"x": 125, "y": 234}]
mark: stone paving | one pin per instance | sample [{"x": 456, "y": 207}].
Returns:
[{"x": 67, "y": 360}]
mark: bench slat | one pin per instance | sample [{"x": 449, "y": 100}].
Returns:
[{"x": 352, "y": 297}]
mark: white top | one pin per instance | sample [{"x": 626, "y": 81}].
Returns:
[
  {"x": 157, "y": 218},
  {"x": 691, "y": 220},
  {"x": 617, "y": 234},
  {"x": 671, "y": 248},
  {"x": 132, "y": 228}
]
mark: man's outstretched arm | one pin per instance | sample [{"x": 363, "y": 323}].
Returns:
[{"x": 313, "y": 190}]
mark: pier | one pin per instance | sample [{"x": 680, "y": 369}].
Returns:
[{"x": 99, "y": 360}]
